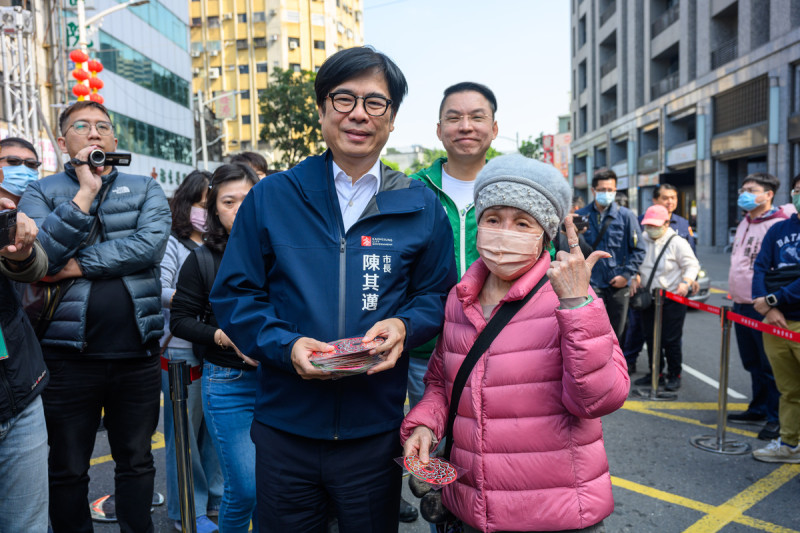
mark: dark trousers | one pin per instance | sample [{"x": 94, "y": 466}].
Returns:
[
  {"x": 672, "y": 318},
  {"x": 754, "y": 359},
  {"x": 299, "y": 480},
  {"x": 129, "y": 392},
  {"x": 634, "y": 337},
  {"x": 616, "y": 302}
]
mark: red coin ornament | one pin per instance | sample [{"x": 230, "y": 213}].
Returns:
[
  {"x": 80, "y": 74},
  {"x": 436, "y": 472},
  {"x": 94, "y": 97},
  {"x": 78, "y": 56}
]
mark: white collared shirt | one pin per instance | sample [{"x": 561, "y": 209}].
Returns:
[{"x": 353, "y": 198}]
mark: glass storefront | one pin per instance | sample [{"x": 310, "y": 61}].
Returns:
[{"x": 147, "y": 139}]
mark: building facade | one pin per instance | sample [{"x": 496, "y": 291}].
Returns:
[
  {"x": 695, "y": 93},
  {"x": 236, "y": 44}
]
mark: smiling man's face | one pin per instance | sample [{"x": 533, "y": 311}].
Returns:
[
  {"x": 467, "y": 126},
  {"x": 357, "y": 138}
]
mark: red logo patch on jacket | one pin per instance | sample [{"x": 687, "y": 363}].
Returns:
[{"x": 366, "y": 240}]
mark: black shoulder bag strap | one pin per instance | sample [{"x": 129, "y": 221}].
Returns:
[
  {"x": 482, "y": 343},
  {"x": 206, "y": 262},
  {"x": 188, "y": 243},
  {"x": 655, "y": 265},
  {"x": 606, "y": 224}
]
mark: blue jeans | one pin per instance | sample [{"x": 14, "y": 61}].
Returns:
[
  {"x": 229, "y": 397},
  {"x": 23, "y": 470},
  {"x": 754, "y": 359},
  {"x": 416, "y": 388},
  {"x": 206, "y": 472}
]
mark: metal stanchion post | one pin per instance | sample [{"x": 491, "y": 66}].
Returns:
[
  {"x": 653, "y": 393},
  {"x": 717, "y": 443},
  {"x": 178, "y": 391}
]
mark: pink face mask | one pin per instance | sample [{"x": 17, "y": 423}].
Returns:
[
  {"x": 508, "y": 254},
  {"x": 198, "y": 217}
]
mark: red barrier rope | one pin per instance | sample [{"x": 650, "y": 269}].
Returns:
[
  {"x": 735, "y": 317},
  {"x": 195, "y": 372},
  {"x": 691, "y": 303}
]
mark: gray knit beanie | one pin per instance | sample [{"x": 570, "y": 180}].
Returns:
[{"x": 532, "y": 186}]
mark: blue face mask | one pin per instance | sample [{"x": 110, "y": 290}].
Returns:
[
  {"x": 747, "y": 201},
  {"x": 796, "y": 201},
  {"x": 605, "y": 198},
  {"x": 17, "y": 178}
]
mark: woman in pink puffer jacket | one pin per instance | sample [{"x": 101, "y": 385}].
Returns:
[{"x": 527, "y": 429}]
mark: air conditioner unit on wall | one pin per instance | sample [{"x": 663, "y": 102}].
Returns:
[
  {"x": 213, "y": 73},
  {"x": 274, "y": 37},
  {"x": 292, "y": 45},
  {"x": 195, "y": 71},
  {"x": 227, "y": 16},
  {"x": 214, "y": 53}
]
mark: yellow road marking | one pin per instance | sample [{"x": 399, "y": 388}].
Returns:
[
  {"x": 717, "y": 291},
  {"x": 683, "y": 406},
  {"x": 731, "y": 510},
  {"x": 651, "y": 408},
  {"x": 727, "y": 511},
  {"x": 156, "y": 443}
]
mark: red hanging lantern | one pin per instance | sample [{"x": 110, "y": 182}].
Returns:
[
  {"x": 95, "y": 66},
  {"x": 94, "y": 97},
  {"x": 78, "y": 56},
  {"x": 80, "y": 74},
  {"x": 80, "y": 91},
  {"x": 95, "y": 83}
]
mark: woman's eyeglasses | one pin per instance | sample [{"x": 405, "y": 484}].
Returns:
[{"x": 15, "y": 161}]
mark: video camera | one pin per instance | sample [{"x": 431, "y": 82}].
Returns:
[{"x": 99, "y": 158}]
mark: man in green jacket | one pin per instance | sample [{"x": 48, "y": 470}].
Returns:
[{"x": 467, "y": 126}]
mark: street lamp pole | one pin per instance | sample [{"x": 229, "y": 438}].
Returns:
[
  {"x": 201, "y": 107},
  {"x": 84, "y": 23}
]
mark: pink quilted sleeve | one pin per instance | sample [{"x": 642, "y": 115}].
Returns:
[
  {"x": 432, "y": 410},
  {"x": 595, "y": 380}
]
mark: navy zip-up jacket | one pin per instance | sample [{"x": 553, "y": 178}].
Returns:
[
  {"x": 291, "y": 271},
  {"x": 622, "y": 240},
  {"x": 780, "y": 249}
]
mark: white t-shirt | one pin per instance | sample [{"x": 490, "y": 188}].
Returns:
[{"x": 461, "y": 192}]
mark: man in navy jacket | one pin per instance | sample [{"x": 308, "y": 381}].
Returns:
[{"x": 338, "y": 246}]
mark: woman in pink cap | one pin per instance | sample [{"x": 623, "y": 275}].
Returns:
[{"x": 674, "y": 272}]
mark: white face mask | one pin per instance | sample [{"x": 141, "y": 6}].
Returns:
[
  {"x": 655, "y": 232},
  {"x": 508, "y": 254}
]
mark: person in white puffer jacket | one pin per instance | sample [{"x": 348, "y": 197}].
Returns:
[{"x": 674, "y": 272}]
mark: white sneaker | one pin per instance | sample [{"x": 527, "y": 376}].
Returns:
[{"x": 776, "y": 452}]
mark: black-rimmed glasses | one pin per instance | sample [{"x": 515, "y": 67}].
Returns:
[
  {"x": 15, "y": 161},
  {"x": 375, "y": 106},
  {"x": 83, "y": 127}
]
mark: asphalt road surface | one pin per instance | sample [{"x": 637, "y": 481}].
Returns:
[{"x": 661, "y": 483}]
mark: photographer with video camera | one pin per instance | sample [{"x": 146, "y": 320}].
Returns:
[
  {"x": 104, "y": 233},
  {"x": 23, "y": 376}
]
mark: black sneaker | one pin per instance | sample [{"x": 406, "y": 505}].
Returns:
[
  {"x": 673, "y": 383},
  {"x": 631, "y": 368},
  {"x": 746, "y": 417},
  {"x": 408, "y": 513},
  {"x": 646, "y": 380},
  {"x": 770, "y": 431}
]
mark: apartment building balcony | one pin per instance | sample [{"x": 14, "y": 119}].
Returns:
[
  {"x": 608, "y": 66},
  {"x": 665, "y": 20},
  {"x": 609, "y": 116},
  {"x": 608, "y": 13},
  {"x": 664, "y": 85},
  {"x": 725, "y": 53}
]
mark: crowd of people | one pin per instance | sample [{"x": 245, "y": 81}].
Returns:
[{"x": 245, "y": 273}]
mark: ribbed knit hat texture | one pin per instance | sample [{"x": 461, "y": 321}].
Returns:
[{"x": 517, "y": 181}]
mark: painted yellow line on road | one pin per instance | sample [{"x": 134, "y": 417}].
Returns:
[
  {"x": 648, "y": 408},
  {"x": 717, "y": 291},
  {"x": 683, "y": 406},
  {"x": 731, "y": 510},
  {"x": 734, "y": 514},
  {"x": 156, "y": 443}
]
